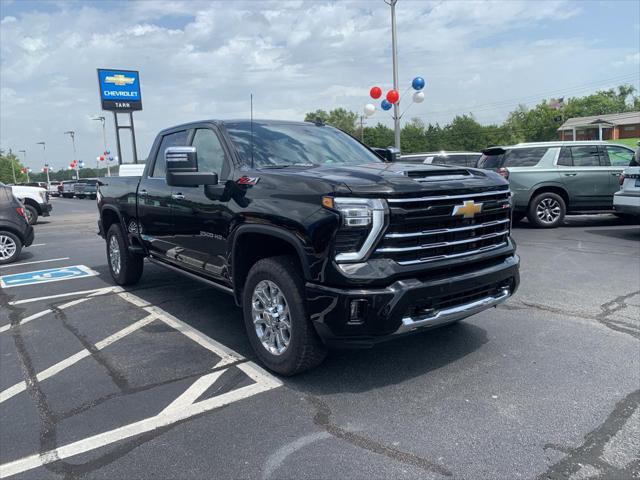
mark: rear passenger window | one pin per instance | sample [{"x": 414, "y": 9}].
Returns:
[
  {"x": 177, "y": 139},
  {"x": 565, "y": 157},
  {"x": 524, "y": 157},
  {"x": 586, "y": 156}
]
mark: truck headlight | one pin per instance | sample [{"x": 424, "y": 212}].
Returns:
[{"x": 362, "y": 221}]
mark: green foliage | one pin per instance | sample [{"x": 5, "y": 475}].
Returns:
[
  {"x": 524, "y": 124},
  {"x": 9, "y": 164}
]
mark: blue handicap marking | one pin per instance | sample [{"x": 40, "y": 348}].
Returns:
[{"x": 45, "y": 276}]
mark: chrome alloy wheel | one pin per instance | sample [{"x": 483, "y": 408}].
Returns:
[
  {"x": 8, "y": 247},
  {"x": 114, "y": 255},
  {"x": 271, "y": 318},
  {"x": 548, "y": 210}
]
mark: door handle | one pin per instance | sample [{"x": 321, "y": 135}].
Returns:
[
  {"x": 177, "y": 196},
  {"x": 570, "y": 174},
  {"x": 616, "y": 174},
  {"x": 142, "y": 193}
]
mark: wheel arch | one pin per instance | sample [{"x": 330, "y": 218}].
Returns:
[
  {"x": 32, "y": 203},
  {"x": 266, "y": 241},
  {"x": 553, "y": 188}
]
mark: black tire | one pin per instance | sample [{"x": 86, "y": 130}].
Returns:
[
  {"x": 7, "y": 240},
  {"x": 305, "y": 349},
  {"x": 131, "y": 265},
  {"x": 517, "y": 217},
  {"x": 554, "y": 214},
  {"x": 31, "y": 213}
]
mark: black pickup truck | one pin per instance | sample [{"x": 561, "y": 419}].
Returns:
[{"x": 321, "y": 243}]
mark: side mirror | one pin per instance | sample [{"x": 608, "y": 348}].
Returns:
[
  {"x": 389, "y": 154},
  {"x": 182, "y": 168}
]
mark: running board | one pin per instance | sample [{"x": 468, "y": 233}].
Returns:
[{"x": 211, "y": 283}]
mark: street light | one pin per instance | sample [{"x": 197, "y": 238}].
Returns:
[
  {"x": 44, "y": 156},
  {"x": 104, "y": 141},
  {"x": 72, "y": 134},
  {"x": 24, "y": 160},
  {"x": 394, "y": 56}
]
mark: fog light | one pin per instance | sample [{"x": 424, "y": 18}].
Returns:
[{"x": 357, "y": 311}]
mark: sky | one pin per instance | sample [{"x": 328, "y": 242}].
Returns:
[{"x": 201, "y": 60}]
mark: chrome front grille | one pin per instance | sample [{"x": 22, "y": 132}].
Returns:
[{"x": 424, "y": 229}]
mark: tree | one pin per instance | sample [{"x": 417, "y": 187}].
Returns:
[
  {"x": 412, "y": 137},
  {"x": 379, "y": 136},
  {"x": 9, "y": 164},
  {"x": 341, "y": 118}
]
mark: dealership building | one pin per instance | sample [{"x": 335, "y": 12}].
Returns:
[{"x": 601, "y": 127}]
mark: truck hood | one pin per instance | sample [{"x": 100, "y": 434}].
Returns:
[{"x": 390, "y": 179}]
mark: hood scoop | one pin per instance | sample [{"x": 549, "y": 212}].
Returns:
[{"x": 438, "y": 175}]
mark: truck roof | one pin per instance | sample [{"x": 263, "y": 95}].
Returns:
[{"x": 236, "y": 120}]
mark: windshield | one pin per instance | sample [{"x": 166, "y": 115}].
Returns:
[{"x": 285, "y": 144}]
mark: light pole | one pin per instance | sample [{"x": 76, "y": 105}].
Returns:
[
  {"x": 104, "y": 141},
  {"x": 72, "y": 134},
  {"x": 44, "y": 157},
  {"x": 394, "y": 56}
]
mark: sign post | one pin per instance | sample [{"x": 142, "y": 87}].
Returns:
[{"x": 120, "y": 93}]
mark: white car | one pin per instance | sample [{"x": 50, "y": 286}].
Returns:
[
  {"x": 627, "y": 200},
  {"x": 35, "y": 201}
]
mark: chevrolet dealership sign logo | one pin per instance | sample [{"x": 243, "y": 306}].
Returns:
[
  {"x": 120, "y": 79},
  {"x": 468, "y": 209}
]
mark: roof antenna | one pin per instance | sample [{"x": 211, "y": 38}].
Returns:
[{"x": 251, "y": 131}]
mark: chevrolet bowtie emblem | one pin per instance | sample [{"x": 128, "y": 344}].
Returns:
[
  {"x": 119, "y": 79},
  {"x": 468, "y": 209}
]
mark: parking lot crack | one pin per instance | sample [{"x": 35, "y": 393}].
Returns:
[
  {"x": 593, "y": 447},
  {"x": 322, "y": 418}
]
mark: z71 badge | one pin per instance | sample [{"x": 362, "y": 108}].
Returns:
[{"x": 247, "y": 180}]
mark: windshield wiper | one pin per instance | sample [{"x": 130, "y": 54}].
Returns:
[{"x": 286, "y": 165}]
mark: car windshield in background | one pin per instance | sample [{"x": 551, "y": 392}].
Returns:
[{"x": 288, "y": 144}]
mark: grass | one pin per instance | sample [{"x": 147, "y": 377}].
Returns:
[{"x": 629, "y": 142}]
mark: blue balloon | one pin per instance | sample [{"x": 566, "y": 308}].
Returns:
[
  {"x": 418, "y": 83},
  {"x": 385, "y": 105}
]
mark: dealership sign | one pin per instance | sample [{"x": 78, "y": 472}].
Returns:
[{"x": 120, "y": 90}]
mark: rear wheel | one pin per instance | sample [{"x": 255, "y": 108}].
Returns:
[
  {"x": 547, "y": 210},
  {"x": 10, "y": 247},
  {"x": 31, "y": 214},
  {"x": 125, "y": 267},
  {"x": 276, "y": 317}
]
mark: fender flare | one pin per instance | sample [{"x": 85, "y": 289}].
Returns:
[
  {"x": 543, "y": 185},
  {"x": 118, "y": 214},
  {"x": 273, "y": 231}
]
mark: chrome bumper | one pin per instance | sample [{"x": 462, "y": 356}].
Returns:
[{"x": 452, "y": 314}]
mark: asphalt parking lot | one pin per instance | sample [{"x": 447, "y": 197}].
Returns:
[{"x": 159, "y": 381}]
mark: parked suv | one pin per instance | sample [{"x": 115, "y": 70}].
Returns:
[
  {"x": 552, "y": 179},
  {"x": 459, "y": 159},
  {"x": 15, "y": 231}
]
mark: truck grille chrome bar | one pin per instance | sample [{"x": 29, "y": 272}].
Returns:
[
  {"x": 452, "y": 255},
  {"x": 448, "y": 197},
  {"x": 446, "y": 230},
  {"x": 441, "y": 244}
]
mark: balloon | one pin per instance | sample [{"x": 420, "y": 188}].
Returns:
[
  {"x": 369, "y": 109},
  {"x": 385, "y": 105},
  {"x": 375, "y": 92},
  {"x": 418, "y": 83},
  {"x": 392, "y": 96},
  {"x": 418, "y": 97}
]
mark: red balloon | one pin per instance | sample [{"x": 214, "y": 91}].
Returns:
[
  {"x": 375, "y": 92},
  {"x": 393, "y": 96}
]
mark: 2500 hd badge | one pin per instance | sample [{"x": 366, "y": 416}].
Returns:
[{"x": 332, "y": 247}]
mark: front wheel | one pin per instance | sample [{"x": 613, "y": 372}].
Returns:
[
  {"x": 10, "y": 247},
  {"x": 547, "y": 210},
  {"x": 125, "y": 267},
  {"x": 276, "y": 317}
]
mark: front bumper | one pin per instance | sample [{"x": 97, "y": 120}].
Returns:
[
  {"x": 409, "y": 305},
  {"x": 45, "y": 208}
]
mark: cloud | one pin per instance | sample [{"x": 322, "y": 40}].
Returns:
[{"x": 203, "y": 59}]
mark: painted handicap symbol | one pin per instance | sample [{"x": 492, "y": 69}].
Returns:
[{"x": 45, "y": 276}]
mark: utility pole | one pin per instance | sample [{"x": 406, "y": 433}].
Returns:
[
  {"x": 72, "y": 134},
  {"x": 44, "y": 157},
  {"x": 362, "y": 128},
  {"x": 24, "y": 160},
  {"x": 13, "y": 168},
  {"x": 104, "y": 141},
  {"x": 394, "y": 55}
]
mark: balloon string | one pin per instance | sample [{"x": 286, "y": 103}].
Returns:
[{"x": 402, "y": 114}]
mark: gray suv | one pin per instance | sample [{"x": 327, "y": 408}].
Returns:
[{"x": 551, "y": 179}]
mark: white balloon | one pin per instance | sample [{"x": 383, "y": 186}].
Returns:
[
  {"x": 418, "y": 96},
  {"x": 369, "y": 109}
]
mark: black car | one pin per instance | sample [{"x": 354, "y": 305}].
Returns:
[
  {"x": 15, "y": 231},
  {"x": 321, "y": 242}
]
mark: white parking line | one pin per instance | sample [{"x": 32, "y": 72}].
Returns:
[
  {"x": 33, "y": 263},
  {"x": 94, "y": 292},
  {"x": 35, "y": 316},
  {"x": 37, "y": 245}
]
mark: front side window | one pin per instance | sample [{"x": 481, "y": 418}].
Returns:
[
  {"x": 585, "y": 156},
  {"x": 177, "y": 139},
  {"x": 285, "y": 144},
  {"x": 618, "y": 156},
  {"x": 210, "y": 151}
]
